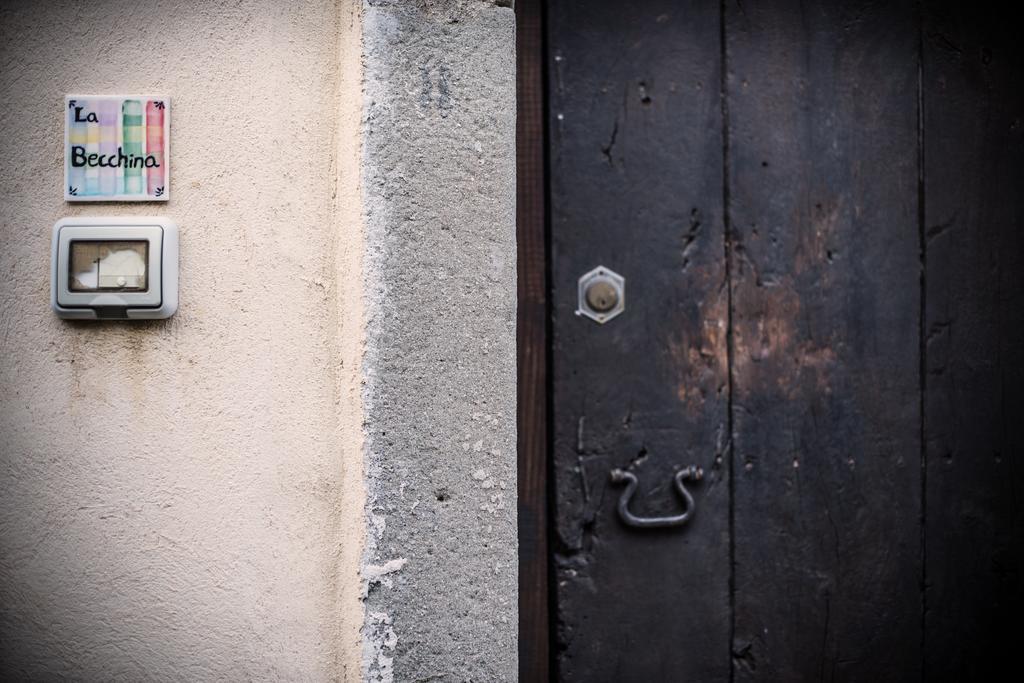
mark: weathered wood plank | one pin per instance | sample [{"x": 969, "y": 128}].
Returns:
[
  {"x": 822, "y": 138},
  {"x": 973, "y": 67},
  {"x": 636, "y": 185}
]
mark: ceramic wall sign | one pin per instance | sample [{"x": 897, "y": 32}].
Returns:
[{"x": 116, "y": 148}]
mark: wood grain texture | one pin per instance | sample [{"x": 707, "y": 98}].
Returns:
[
  {"x": 531, "y": 188},
  {"x": 870, "y": 311},
  {"x": 636, "y": 184},
  {"x": 822, "y": 135},
  {"x": 974, "y": 218}
]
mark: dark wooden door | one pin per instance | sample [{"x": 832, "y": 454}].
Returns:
[{"x": 816, "y": 208}]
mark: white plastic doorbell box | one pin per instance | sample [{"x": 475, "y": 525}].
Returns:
[{"x": 112, "y": 268}]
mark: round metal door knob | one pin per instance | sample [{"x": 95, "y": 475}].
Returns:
[{"x": 601, "y": 296}]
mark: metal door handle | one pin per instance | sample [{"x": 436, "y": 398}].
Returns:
[{"x": 692, "y": 472}]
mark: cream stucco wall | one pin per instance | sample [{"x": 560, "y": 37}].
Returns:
[{"x": 183, "y": 499}]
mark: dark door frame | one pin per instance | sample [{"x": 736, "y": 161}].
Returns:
[{"x": 532, "y": 332}]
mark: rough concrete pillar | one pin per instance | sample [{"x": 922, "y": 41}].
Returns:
[{"x": 439, "y": 195}]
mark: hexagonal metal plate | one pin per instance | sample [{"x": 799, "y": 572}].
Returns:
[{"x": 600, "y": 274}]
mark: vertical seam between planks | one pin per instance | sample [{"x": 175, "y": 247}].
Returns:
[
  {"x": 727, "y": 248},
  {"x": 922, "y": 332}
]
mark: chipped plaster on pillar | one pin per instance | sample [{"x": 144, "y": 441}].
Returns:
[{"x": 440, "y": 570}]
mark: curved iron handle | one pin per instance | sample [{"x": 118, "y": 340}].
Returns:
[{"x": 692, "y": 472}]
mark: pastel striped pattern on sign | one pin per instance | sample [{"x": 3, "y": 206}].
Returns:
[
  {"x": 133, "y": 132},
  {"x": 155, "y": 176},
  {"x": 92, "y": 146},
  {"x": 107, "y": 110}
]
